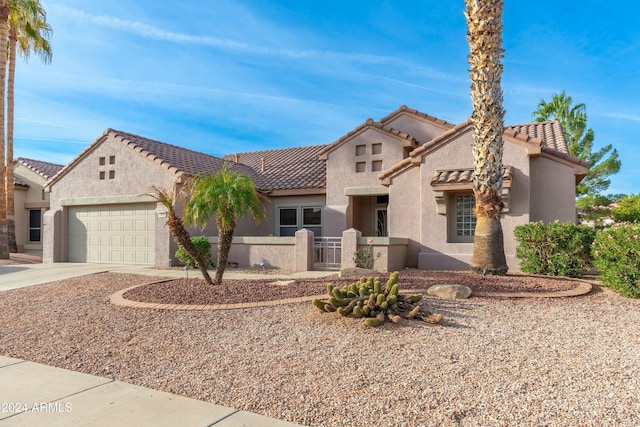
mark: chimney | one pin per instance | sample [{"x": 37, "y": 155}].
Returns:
[
  {"x": 237, "y": 156},
  {"x": 262, "y": 161}
]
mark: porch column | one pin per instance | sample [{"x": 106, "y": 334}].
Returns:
[
  {"x": 52, "y": 243},
  {"x": 304, "y": 250},
  {"x": 349, "y": 247}
]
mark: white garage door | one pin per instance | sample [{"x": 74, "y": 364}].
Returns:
[{"x": 119, "y": 234}]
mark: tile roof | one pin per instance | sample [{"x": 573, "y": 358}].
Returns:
[
  {"x": 406, "y": 110},
  {"x": 175, "y": 159},
  {"x": 549, "y": 133},
  {"x": 407, "y": 140},
  {"x": 286, "y": 168},
  {"x": 44, "y": 169},
  {"x": 463, "y": 176}
]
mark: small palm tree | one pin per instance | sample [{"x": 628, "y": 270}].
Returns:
[
  {"x": 179, "y": 233},
  {"x": 228, "y": 196},
  {"x": 484, "y": 22},
  {"x": 28, "y": 32}
]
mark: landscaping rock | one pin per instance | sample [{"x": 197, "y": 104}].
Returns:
[
  {"x": 449, "y": 291},
  {"x": 356, "y": 271}
]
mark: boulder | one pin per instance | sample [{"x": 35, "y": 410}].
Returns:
[{"x": 449, "y": 291}]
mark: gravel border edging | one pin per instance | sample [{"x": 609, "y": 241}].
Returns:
[{"x": 118, "y": 299}]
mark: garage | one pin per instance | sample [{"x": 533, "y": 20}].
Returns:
[{"x": 118, "y": 234}]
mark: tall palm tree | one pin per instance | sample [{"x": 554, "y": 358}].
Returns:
[
  {"x": 227, "y": 196},
  {"x": 484, "y": 24},
  {"x": 573, "y": 119},
  {"x": 4, "y": 34},
  {"x": 28, "y": 32}
]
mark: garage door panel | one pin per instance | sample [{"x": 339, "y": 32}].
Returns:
[{"x": 112, "y": 233}]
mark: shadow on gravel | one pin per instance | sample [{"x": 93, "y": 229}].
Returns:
[{"x": 453, "y": 311}]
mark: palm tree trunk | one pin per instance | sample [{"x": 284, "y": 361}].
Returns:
[
  {"x": 484, "y": 22},
  {"x": 11, "y": 211},
  {"x": 225, "y": 237},
  {"x": 183, "y": 238},
  {"x": 4, "y": 34}
]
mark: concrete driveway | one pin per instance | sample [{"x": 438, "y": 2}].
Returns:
[{"x": 21, "y": 275}]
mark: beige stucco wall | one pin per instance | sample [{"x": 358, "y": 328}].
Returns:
[
  {"x": 422, "y": 129},
  {"x": 436, "y": 251},
  {"x": 553, "y": 191},
  {"x": 341, "y": 174},
  {"x": 134, "y": 178},
  {"x": 26, "y": 199}
]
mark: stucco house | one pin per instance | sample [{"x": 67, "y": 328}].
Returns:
[
  {"x": 401, "y": 184},
  {"x": 31, "y": 201}
]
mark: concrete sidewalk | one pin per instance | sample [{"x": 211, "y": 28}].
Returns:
[
  {"x": 32, "y": 394},
  {"x": 21, "y": 275}
]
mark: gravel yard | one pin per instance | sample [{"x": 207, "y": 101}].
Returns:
[{"x": 559, "y": 361}]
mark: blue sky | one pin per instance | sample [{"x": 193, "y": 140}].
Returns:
[{"x": 226, "y": 76}]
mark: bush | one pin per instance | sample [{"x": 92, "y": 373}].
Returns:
[
  {"x": 555, "y": 249},
  {"x": 616, "y": 252},
  {"x": 628, "y": 209},
  {"x": 203, "y": 245}
]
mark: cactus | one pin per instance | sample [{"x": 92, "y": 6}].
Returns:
[
  {"x": 372, "y": 321},
  {"x": 415, "y": 298},
  {"x": 367, "y": 299},
  {"x": 372, "y": 302},
  {"x": 319, "y": 304},
  {"x": 394, "y": 290}
]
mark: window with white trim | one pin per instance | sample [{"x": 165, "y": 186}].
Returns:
[{"x": 293, "y": 218}]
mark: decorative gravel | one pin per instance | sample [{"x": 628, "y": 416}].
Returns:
[
  {"x": 195, "y": 291},
  {"x": 492, "y": 362}
]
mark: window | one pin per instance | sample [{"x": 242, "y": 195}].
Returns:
[
  {"x": 361, "y": 150},
  {"x": 465, "y": 217},
  {"x": 35, "y": 225},
  {"x": 312, "y": 219},
  {"x": 361, "y": 167},
  {"x": 288, "y": 221},
  {"x": 112, "y": 174},
  {"x": 102, "y": 161},
  {"x": 376, "y": 148},
  {"x": 376, "y": 165},
  {"x": 102, "y": 175},
  {"x": 294, "y": 218},
  {"x": 112, "y": 160}
]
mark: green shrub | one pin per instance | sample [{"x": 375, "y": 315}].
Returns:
[
  {"x": 555, "y": 249},
  {"x": 628, "y": 209},
  {"x": 616, "y": 253},
  {"x": 203, "y": 245}
]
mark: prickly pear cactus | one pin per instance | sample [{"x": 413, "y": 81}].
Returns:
[{"x": 369, "y": 300}]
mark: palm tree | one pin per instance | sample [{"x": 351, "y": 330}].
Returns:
[
  {"x": 573, "y": 119},
  {"x": 179, "y": 233},
  {"x": 228, "y": 196},
  {"x": 28, "y": 32},
  {"x": 4, "y": 35},
  {"x": 484, "y": 23}
]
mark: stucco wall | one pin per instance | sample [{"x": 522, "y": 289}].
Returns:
[
  {"x": 436, "y": 252},
  {"x": 134, "y": 178},
  {"x": 341, "y": 174},
  {"x": 553, "y": 191},
  {"x": 422, "y": 130},
  {"x": 404, "y": 212},
  {"x": 26, "y": 199}
]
